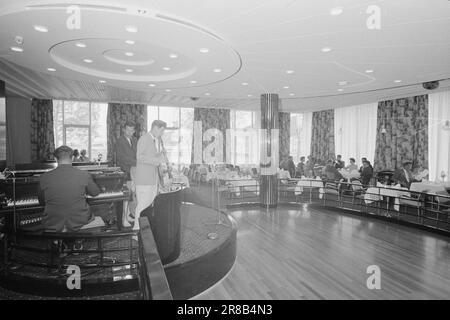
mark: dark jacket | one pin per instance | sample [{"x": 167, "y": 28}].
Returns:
[
  {"x": 63, "y": 192},
  {"x": 339, "y": 164},
  {"x": 126, "y": 153},
  {"x": 366, "y": 175},
  {"x": 291, "y": 168},
  {"x": 332, "y": 173},
  {"x": 400, "y": 177}
]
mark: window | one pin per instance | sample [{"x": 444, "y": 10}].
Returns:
[
  {"x": 244, "y": 138},
  {"x": 300, "y": 141},
  {"x": 178, "y": 135},
  {"x": 81, "y": 125},
  {"x": 2, "y": 129}
]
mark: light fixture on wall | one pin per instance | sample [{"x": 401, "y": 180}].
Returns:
[
  {"x": 383, "y": 128},
  {"x": 446, "y": 125}
]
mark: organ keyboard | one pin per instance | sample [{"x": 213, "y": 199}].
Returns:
[{"x": 19, "y": 193}]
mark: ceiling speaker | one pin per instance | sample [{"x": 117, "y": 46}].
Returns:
[{"x": 431, "y": 85}]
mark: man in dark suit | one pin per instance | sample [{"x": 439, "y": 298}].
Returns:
[
  {"x": 126, "y": 160},
  {"x": 126, "y": 149},
  {"x": 404, "y": 176},
  {"x": 63, "y": 192},
  {"x": 366, "y": 173}
]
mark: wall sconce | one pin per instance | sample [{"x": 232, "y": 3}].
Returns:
[{"x": 446, "y": 125}]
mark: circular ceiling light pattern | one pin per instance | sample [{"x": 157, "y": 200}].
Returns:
[
  {"x": 397, "y": 81},
  {"x": 184, "y": 51},
  {"x": 80, "y": 45},
  {"x": 51, "y": 69},
  {"x": 217, "y": 70},
  {"x": 326, "y": 49},
  {"x": 369, "y": 71},
  {"x": 152, "y": 85},
  {"x": 129, "y": 54},
  {"x": 289, "y": 71},
  {"x": 88, "y": 60},
  {"x": 102, "y": 81},
  {"x": 166, "y": 68},
  {"x": 129, "y": 70}
]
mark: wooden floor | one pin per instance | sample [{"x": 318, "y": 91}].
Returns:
[{"x": 307, "y": 253}]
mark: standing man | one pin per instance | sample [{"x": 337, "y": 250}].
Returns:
[
  {"x": 126, "y": 159},
  {"x": 148, "y": 159}
]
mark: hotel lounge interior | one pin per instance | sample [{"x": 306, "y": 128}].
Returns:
[{"x": 225, "y": 149}]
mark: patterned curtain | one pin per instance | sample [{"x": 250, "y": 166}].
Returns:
[
  {"x": 405, "y": 134},
  {"x": 284, "y": 125},
  {"x": 42, "y": 134},
  {"x": 118, "y": 115},
  {"x": 212, "y": 118},
  {"x": 322, "y": 136}
]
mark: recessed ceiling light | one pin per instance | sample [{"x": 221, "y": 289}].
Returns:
[
  {"x": 336, "y": 11},
  {"x": 40, "y": 28},
  {"x": 217, "y": 70},
  {"x": 129, "y": 70},
  {"x": 249, "y": 95},
  {"x": 152, "y": 85},
  {"x": 193, "y": 81},
  {"x": 129, "y": 54},
  {"x": 166, "y": 68},
  {"x": 51, "y": 69},
  {"x": 173, "y": 55},
  {"x": 291, "y": 94},
  {"x": 286, "y": 87},
  {"x": 398, "y": 81},
  {"x": 342, "y": 83},
  {"x": 17, "y": 49},
  {"x": 289, "y": 71},
  {"x": 102, "y": 81},
  {"x": 131, "y": 29},
  {"x": 80, "y": 45},
  {"x": 204, "y": 50},
  {"x": 369, "y": 71},
  {"x": 129, "y": 41},
  {"x": 340, "y": 90},
  {"x": 87, "y": 60},
  {"x": 207, "y": 94},
  {"x": 168, "y": 90},
  {"x": 245, "y": 83},
  {"x": 326, "y": 49}
]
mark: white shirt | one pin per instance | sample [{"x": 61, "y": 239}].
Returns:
[
  {"x": 406, "y": 174},
  {"x": 154, "y": 140}
]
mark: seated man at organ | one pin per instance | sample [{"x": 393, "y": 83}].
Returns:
[{"x": 63, "y": 192}]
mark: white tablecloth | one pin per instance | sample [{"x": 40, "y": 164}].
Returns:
[
  {"x": 308, "y": 183},
  {"x": 349, "y": 174},
  {"x": 427, "y": 186},
  {"x": 376, "y": 194}
]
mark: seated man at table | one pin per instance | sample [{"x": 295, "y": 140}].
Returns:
[
  {"x": 404, "y": 176},
  {"x": 352, "y": 166},
  {"x": 366, "y": 173},
  {"x": 339, "y": 164},
  {"x": 331, "y": 173},
  {"x": 63, "y": 192}
]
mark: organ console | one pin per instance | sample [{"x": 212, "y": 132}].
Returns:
[{"x": 19, "y": 203}]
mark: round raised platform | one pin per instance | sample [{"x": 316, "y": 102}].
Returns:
[{"x": 203, "y": 261}]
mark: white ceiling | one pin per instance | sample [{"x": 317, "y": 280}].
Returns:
[{"x": 252, "y": 42}]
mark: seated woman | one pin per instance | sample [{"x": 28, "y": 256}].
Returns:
[{"x": 331, "y": 173}]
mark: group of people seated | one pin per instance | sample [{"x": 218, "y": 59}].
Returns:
[{"x": 336, "y": 170}]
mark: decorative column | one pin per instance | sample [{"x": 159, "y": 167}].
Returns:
[{"x": 268, "y": 188}]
